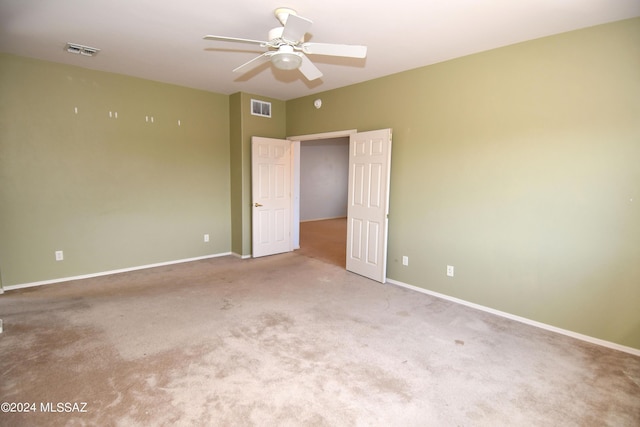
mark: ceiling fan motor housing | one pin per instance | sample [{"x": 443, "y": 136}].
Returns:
[
  {"x": 276, "y": 33},
  {"x": 282, "y": 13}
]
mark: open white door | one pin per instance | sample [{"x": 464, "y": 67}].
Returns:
[
  {"x": 271, "y": 192},
  {"x": 368, "y": 204}
]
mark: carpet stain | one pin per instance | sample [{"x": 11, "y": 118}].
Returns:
[
  {"x": 273, "y": 320},
  {"x": 226, "y": 304},
  {"x": 634, "y": 379},
  {"x": 181, "y": 346},
  {"x": 377, "y": 384}
]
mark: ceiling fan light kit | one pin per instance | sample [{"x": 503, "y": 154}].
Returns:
[
  {"x": 287, "y": 49},
  {"x": 286, "y": 59}
]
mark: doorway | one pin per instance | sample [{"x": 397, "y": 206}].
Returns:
[
  {"x": 324, "y": 182},
  {"x": 323, "y": 239},
  {"x": 368, "y": 197}
]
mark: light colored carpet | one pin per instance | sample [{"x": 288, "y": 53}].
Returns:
[{"x": 290, "y": 340}]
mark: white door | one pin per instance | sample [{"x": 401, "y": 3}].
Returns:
[
  {"x": 368, "y": 204},
  {"x": 271, "y": 191}
]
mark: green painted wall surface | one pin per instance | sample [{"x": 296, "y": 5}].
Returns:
[
  {"x": 244, "y": 126},
  {"x": 111, "y": 193},
  {"x": 520, "y": 167},
  {"x": 236, "y": 157}
]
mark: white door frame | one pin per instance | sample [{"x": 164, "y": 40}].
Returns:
[{"x": 295, "y": 171}]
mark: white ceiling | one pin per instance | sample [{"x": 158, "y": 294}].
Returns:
[{"x": 162, "y": 39}]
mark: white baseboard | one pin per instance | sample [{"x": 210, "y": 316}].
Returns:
[
  {"x": 324, "y": 219},
  {"x": 587, "y": 338},
  {"x": 237, "y": 255},
  {"x": 107, "y": 273}
]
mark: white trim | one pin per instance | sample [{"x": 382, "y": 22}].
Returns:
[
  {"x": 240, "y": 256},
  {"x": 295, "y": 194},
  {"x": 587, "y": 338},
  {"x": 107, "y": 273},
  {"x": 324, "y": 135},
  {"x": 324, "y": 219}
]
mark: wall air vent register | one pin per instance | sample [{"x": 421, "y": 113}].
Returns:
[
  {"x": 260, "y": 108},
  {"x": 81, "y": 49}
]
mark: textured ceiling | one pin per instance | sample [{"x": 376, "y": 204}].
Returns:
[{"x": 162, "y": 39}]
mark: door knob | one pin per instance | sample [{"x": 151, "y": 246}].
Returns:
[{"x": 257, "y": 205}]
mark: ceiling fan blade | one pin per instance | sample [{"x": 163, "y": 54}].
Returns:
[
  {"x": 234, "y": 39},
  {"x": 309, "y": 70},
  {"x": 295, "y": 28},
  {"x": 253, "y": 63},
  {"x": 346, "y": 50}
]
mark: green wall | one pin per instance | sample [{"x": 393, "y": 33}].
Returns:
[
  {"x": 237, "y": 175},
  {"x": 245, "y": 125},
  {"x": 112, "y": 193},
  {"x": 520, "y": 166}
]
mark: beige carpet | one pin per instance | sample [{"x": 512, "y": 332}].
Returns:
[{"x": 290, "y": 340}]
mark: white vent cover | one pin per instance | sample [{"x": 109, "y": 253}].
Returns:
[
  {"x": 260, "y": 108},
  {"x": 81, "y": 50}
]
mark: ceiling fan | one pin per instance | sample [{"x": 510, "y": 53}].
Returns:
[{"x": 287, "y": 48}]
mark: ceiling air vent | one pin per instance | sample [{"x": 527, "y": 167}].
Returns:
[
  {"x": 260, "y": 108},
  {"x": 81, "y": 50}
]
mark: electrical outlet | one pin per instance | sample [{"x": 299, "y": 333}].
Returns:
[
  {"x": 450, "y": 270},
  {"x": 405, "y": 260},
  {"x": 206, "y": 238},
  {"x": 59, "y": 255}
]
